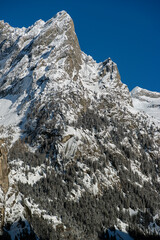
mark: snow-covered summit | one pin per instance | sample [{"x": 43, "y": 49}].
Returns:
[
  {"x": 44, "y": 57},
  {"x": 146, "y": 101},
  {"x": 45, "y": 52},
  {"x": 137, "y": 91}
]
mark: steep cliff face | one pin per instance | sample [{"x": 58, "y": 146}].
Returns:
[
  {"x": 3, "y": 167},
  {"x": 82, "y": 159},
  {"x": 4, "y": 184}
]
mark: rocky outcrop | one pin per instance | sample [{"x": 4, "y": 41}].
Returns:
[
  {"x": 3, "y": 167},
  {"x": 66, "y": 138},
  {"x": 4, "y": 183}
]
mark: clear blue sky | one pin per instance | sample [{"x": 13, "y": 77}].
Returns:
[{"x": 128, "y": 31}]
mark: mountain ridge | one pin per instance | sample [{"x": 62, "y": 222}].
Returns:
[{"x": 146, "y": 101}]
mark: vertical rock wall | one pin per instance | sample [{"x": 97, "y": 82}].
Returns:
[{"x": 4, "y": 183}]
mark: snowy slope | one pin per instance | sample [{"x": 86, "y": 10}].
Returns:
[{"x": 146, "y": 101}]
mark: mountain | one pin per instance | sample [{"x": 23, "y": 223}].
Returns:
[
  {"x": 78, "y": 160},
  {"x": 146, "y": 101}
]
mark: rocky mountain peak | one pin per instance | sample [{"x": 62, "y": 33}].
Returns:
[
  {"x": 47, "y": 47},
  {"x": 108, "y": 66}
]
